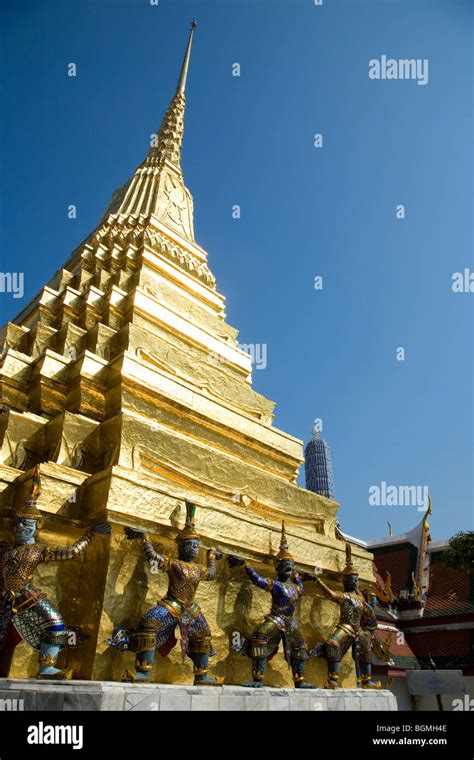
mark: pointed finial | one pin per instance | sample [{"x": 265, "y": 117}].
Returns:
[
  {"x": 428, "y": 512},
  {"x": 284, "y": 551},
  {"x": 35, "y": 490},
  {"x": 184, "y": 70},
  {"x": 170, "y": 134},
  {"x": 349, "y": 568},
  {"x": 29, "y": 510}
]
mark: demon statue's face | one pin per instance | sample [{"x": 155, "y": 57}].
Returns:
[
  {"x": 351, "y": 582},
  {"x": 24, "y": 530},
  {"x": 188, "y": 549},
  {"x": 285, "y": 569}
]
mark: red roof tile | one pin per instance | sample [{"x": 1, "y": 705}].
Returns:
[
  {"x": 399, "y": 561},
  {"x": 442, "y": 643},
  {"x": 450, "y": 591}
]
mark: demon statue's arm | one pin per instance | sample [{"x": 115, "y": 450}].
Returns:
[
  {"x": 61, "y": 553},
  {"x": 154, "y": 558},
  {"x": 368, "y": 618},
  {"x": 334, "y": 596},
  {"x": 258, "y": 580},
  {"x": 210, "y": 570},
  {"x": 298, "y": 580},
  {"x": 162, "y": 562}
]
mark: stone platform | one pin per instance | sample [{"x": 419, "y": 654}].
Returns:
[{"x": 31, "y": 695}]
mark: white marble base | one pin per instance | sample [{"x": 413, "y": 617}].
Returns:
[{"x": 23, "y": 694}]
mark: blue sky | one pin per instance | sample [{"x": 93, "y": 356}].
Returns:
[{"x": 304, "y": 211}]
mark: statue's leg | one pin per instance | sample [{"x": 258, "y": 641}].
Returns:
[
  {"x": 298, "y": 657},
  {"x": 52, "y": 637},
  {"x": 199, "y": 649},
  {"x": 143, "y": 642},
  {"x": 365, "y": 655},
  {"x": 154, "y": 629},
  {"x": 366, "y": 677},
  {"x": 334, "y": 663},
  {"x": 356, "y": 658},
  {"x": 47, "y": 660},
  {"x": 43, "y": 629},
  {"x": 336, "y": 647},
  {"x": 259, "y": 661},
  {"x": 265, "y": 640}
]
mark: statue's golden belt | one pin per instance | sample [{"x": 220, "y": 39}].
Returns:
[
  {"x": 348, "y": 628},
  {"x": 281, "y": 621},
  {"x": 178, "y": 609},
  {"x": 23, "y": 599}
]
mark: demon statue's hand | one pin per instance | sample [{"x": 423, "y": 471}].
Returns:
[
  {"x": 217, "y": 555},
  {"x": 308, "y": 577},
  {"x": 234, "y": 561},
  {"x": 132, "y": 533},
  {"x": 101, "y": 528}
]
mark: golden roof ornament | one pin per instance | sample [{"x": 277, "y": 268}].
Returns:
[
  {"x": 428, "y": 512},
  {"x": 384, "y": 593},
  {"x": 29, "y": 510},
  {"x": 284, "y": 552}
]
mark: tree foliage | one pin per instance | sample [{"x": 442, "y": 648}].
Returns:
[{"x": 460, "y": 554}]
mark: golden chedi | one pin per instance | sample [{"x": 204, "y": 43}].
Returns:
[{"x": 124, "y": 382}]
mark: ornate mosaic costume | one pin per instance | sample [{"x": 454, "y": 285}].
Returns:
[
  {"x": 178, "y": 607},
  {"x": 363, "y": 644},
  {"x": 280, "y": 624},
  {"x": 156, "y": 629},
  {"x": 348, "y": 628},
  {"x": 354, "y": 629},
  {"x": 24, "y": 606},
  {"x": 368, "y": 642}
]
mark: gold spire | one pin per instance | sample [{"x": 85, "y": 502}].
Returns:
[
  {"x": 157, "y": 187},
  {"x": 184, "y": 70},
  {"x": 170, "y": 135}
]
